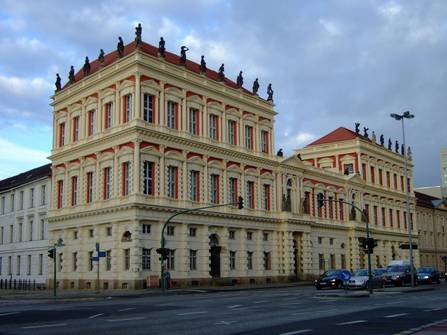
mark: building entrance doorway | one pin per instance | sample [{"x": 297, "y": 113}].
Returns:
[{"x": 214, "y": 256}]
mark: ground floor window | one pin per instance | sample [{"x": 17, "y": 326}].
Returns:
[
  {"x": 321, "y": 262},
  {"x": 171, "y": 260},
  {"x": 193, "y": 259},
  {"x": 249, "y": 260},
  {"x": 232, "y": 260},
  {"x": 267, "y": 261},
  {"x": 146, "y": 259}
]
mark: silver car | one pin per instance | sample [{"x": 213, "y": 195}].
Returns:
[{"x": 360, "y": 279}]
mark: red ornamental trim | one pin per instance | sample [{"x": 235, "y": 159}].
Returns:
[
  {"x": 264, "y": 171},
  {"x": 62, "y": 165},
  {"x": 191, "y": 94},
  {"x": 212, "y": 100},
  {"x": 247, "y": 113},
  {"x": 314, "y": 181},
  {"x": 128, "y": 144},
  {"x": 172, "y": 86},
  {"x": 113, "y": 87},
  {"x": 108, "y": 150},
  {"x": 233, "y": 163},
  {"x": 132, "y": 78},
  {"x": 149, "y": 144},
  {"x": 90, "y": 156},
  {"x": 77, "y": 160},
  {"x": 214, "y": 159},
  {"x": 249, "y": 167},
  {"x": 193, "y": 154},
  {"x": 310, "y": 160},
  {"x": 261, "y": 118},
  {"x": 93, "y": 95},
  {"x": 146, "y": 78},
  {"x": 227, "y": 107}
]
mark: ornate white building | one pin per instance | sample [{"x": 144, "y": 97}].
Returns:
[
  {"x": 139, "y": 136},
  {"x": 24, "y": 202}
]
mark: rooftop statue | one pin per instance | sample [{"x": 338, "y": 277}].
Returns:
[
  {"x": 221, "y": 72},
  {"x": 71, "y": 75},
  {"x": 365, "y": 132},
  {"x": 409, "y": 153},
  {"x": 183, "y": 50},
  {"x": 120, "y": 47},
  {"x": 161, "y": 47},
  {"x": 396, "y": 146},
  {"x": 299, "y": 157},
  {"x": 373, "y": 137},
  {"x": 86, "y": 67},
  {"x": 202, "y": 64},
  {"x": 58, "y": 82},
  {"x": 240, "y": 80},
  {"x": 390, "y": 144},
  {"x": 382, "y": 140},
  {"x": 255, "y": 86},
  {"x": 101, "y": 57},
  {"x": 138, "y": 32},
  {"x": 280, "y": 153},
  {"x": 269, "y": 93},
  {"x": 357, "y": 130},
  {"x": 402, "y": 149}
]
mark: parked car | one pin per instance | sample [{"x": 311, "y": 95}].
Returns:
[
  {"x": 399, "y": 275},
  {"x": 330, "y": 279},
  {"x": 428, "y": 275},
  {"x": 360, "y": 279}
]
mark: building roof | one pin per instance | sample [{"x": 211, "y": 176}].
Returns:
[
  {"x": 153, "y": 51},
  {"x": 25, "y": 177},
  {"x": 425, "y": 200},
  {"x": 339, "y": 134}
]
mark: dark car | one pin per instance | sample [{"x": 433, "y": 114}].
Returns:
[
  {"x": 399, "y": 275},
  {"x": 428, "y": 275},
  {"x": 330, "y": 279}
]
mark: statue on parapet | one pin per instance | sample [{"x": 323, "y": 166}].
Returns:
[
  {"x": 255, "y": 87},
  {"x": 299, "y": 157},
  {"x": 202, "y": 64},
  {"x": 71, "y": 75},
  {"x": 120, "y": 47},
  {"x": 365, "y": 132},
  {"x": 402, "y": 149},
  {"x": 269, "y": 93},
  {"x": 382, "y": 140},
  {"x": 101, "y": 57},
  {"x": 183, "y": 50},
  {"x": 280, "y": 153},
  {"x": 222, "y": 72},
  {"x": 58, "y": 82},
  {"x": 390, "y": 144},
  {"x": 409, "y": 155},
  {"x": 240, "y": 80},
  {"x": 86, "y": 67},
  {"x": 396, "y": 146},
  {"x": 138, "y": 33},
  {"x": 161, "y": 47},
  {"x": 357, "y": 128},
  {"x": 373, "y": 137}
]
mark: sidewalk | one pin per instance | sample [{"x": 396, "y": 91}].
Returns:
[{"x": 67, "y": 295}]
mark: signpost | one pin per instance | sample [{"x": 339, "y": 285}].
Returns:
[
  {"x": 96, "y": 259},
  {"x": 345, "y": 275}
]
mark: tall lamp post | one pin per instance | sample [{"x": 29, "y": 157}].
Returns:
[{"x": 407, "y": 115}]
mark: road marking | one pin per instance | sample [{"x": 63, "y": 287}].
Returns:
[
  {"x": 45, "y": 326},
  {"x": 95, "y": 316},
  {"x": 192, "y": 313},
  {"x": 10, "y": 313},
  {"x": 260, "y": 301},
  {"x": 127, "y": 309},
  {"x": 350, "y": 322},
  {"x": 225, "y": 323},
  {"x": 234, "y": 306},
  {"x": 395, "y": 315},
  {"x": 297, "y": 332},
  {"x": 127, "y": 319}
]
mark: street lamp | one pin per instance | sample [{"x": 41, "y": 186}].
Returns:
[{"x": 407, "y": 115}]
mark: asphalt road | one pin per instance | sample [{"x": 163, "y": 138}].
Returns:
[{"x": 290, "y": 311}]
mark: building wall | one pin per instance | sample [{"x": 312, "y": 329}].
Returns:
[{"x": 23, "y": 231}]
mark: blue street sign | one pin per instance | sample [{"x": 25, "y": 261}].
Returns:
[
  {"x": 345, "y": 275},
  {"x": 101, "y": 254},
  {"x": 95, "y": 259}
]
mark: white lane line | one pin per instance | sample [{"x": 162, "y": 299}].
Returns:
[
  {"x": 395, "y": 315},
  {"x": 350, "y": 322},
  {"x": 126, "y": 319},
  {"x": 95, "y": 316},
  {"x": 302, "y": 331},
  {"x": 260, "y": 301},
  {"x": 45, "y": 326},
  {"x": 225, "y": 323},
  {"x": 127, "y": 309},
  {"x": 234, "y": 306},
  {"x": 192, "y": 313},
  {"x": 10, "y": 313}
]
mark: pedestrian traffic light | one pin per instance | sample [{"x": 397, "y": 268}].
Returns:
[
  {"x": 240, "y": 202},
  {"x": 371, "y": 244},
  {"x": 320, "y": 200},
  {"x": 163, "y": 253},
  {"x": 51, "y": 253}
]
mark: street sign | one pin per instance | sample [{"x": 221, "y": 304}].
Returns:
[
  {"x": 95, "y": 259},
  {"x": 345, "y": 275},
  {"x": 101, "y": 254}
]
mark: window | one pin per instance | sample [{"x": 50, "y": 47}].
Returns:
[
  {"x": 171, "y": 260},
  {"x": 395, "y": 181},
  {"x": 343, "y": 261},
  {"x": 266, "y": 197},
  {"x": 331, "y": 241},
  {"x": 90, "y": 260},
  {"x": 232, "y": 132},
  {"x": 170, "y": 230},
  {"x": 331, "y": 207},
  {"x": 31, "y": 198},
  {"x": 194, "y": 125},
  {"x": 75, "y": 262},
  {"x": 28, "y": 266},
  {"x": 248, "y": 137},
  {"x": 146, "y": 259},
  {"x": 409, "y": 184},
  {"x": 20, "y": 231},
  {"x": 398, "y": 218},
  {"x": 22, "y": 194},
  {"x": 127, "y": 108},
  {"x": 42, "y": 229},
  {"x": 172, "y": 182},
  {"x": 40, "y": 264},
  {"x": 2, "y": 235},
  {"x": 109, "y": 231},
  {"x": 250, "y": 193},
  {"x": 11, "y": 233},
  {"x": 125, "y": 168},
  {"x": 60, "y": 193},
  {"x": 146, "y": 228},
  {"x": 126, "y": 259},
  {"x": 1, "y": 263},
  {"x": 148, "y": 107},
  {"x": 30, "y": 230},
  {"x": 108, "y": 260},
  {"x": 232, "y": 191},
  {"x": 91, "y": 233},
  {"x": 231, "y": 234},
  {"x": 265, "y": 236},
  {"x": 348, "y": 169},
  {"x": 391, "y": 217},
  {"x": 74, "y": 190},
  {"x": 383, "y": 217},
  {"x": 108, "y": 114},
  {"x": 267, "y": 261},
  {"x": 148, "y": 178},
  {"x": 171, "y": 117},
  {"x": 373, "y": 175},
  {"x": 91, "y": 123},
  {"x": 388, "y": 179},
  {"x": 193, "y": 259},
  {"x": 194, "y": 185},
  {"x": 321, "y": 262},
  {"x": 232, "y": 260},
  {"x": 367, "y": 212},
  {"x": 249, "y": 260},
  {"x": 75, "y": 123},
  {"x": 18, "y": 265},
  {"x": 264, "y": 141},
  {"x": 213, "y": 127},
  {"x": 107, "y": 183},
  {"x": 43, "y": 195},
  {"x": 402, "y": 186},
  {"x": 332, "y": 259},
  {"x": 249, "y": 235},
  {"x": 214, "y": 188},
  {"x": 192, "y": 232},
  {"x": 380, "y": 177},
  {"x": 320, "y": 240},
  {"x": 61, "y": 134},
  {"x": 364, "y": 171},
  {"x": 9, "y": 265},
  {"x": 89, "y": 178},
  {"x": 376, "y": 216},
  {"x": 75, "y": 235},
  {"x": 12, "y": 202},
  {"x": 341, "y": 211}
]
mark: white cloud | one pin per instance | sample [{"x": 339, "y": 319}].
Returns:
[
  {"x": 290, "y": 142},
  {"x": 332, "y": 28},
  {"x": 25, "y": 87},
  {"x": 390, "y": 10}
]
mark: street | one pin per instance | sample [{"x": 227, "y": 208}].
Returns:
[{"x": 292, "y": 310}]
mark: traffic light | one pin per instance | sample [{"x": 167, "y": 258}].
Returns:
[
  {"x": 320, "y": 200},
  {"x": 240, "y": 202},
  {"x": 371, "y": 244},
  {"x": 406, "y": 246},
  {"x": 362, "y": 243},
  {"x": 52, "y": 253},
  {"x": 163, "y": 253}
]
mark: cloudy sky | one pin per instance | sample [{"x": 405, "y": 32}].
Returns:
[{"x": 331, "y": 63}]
